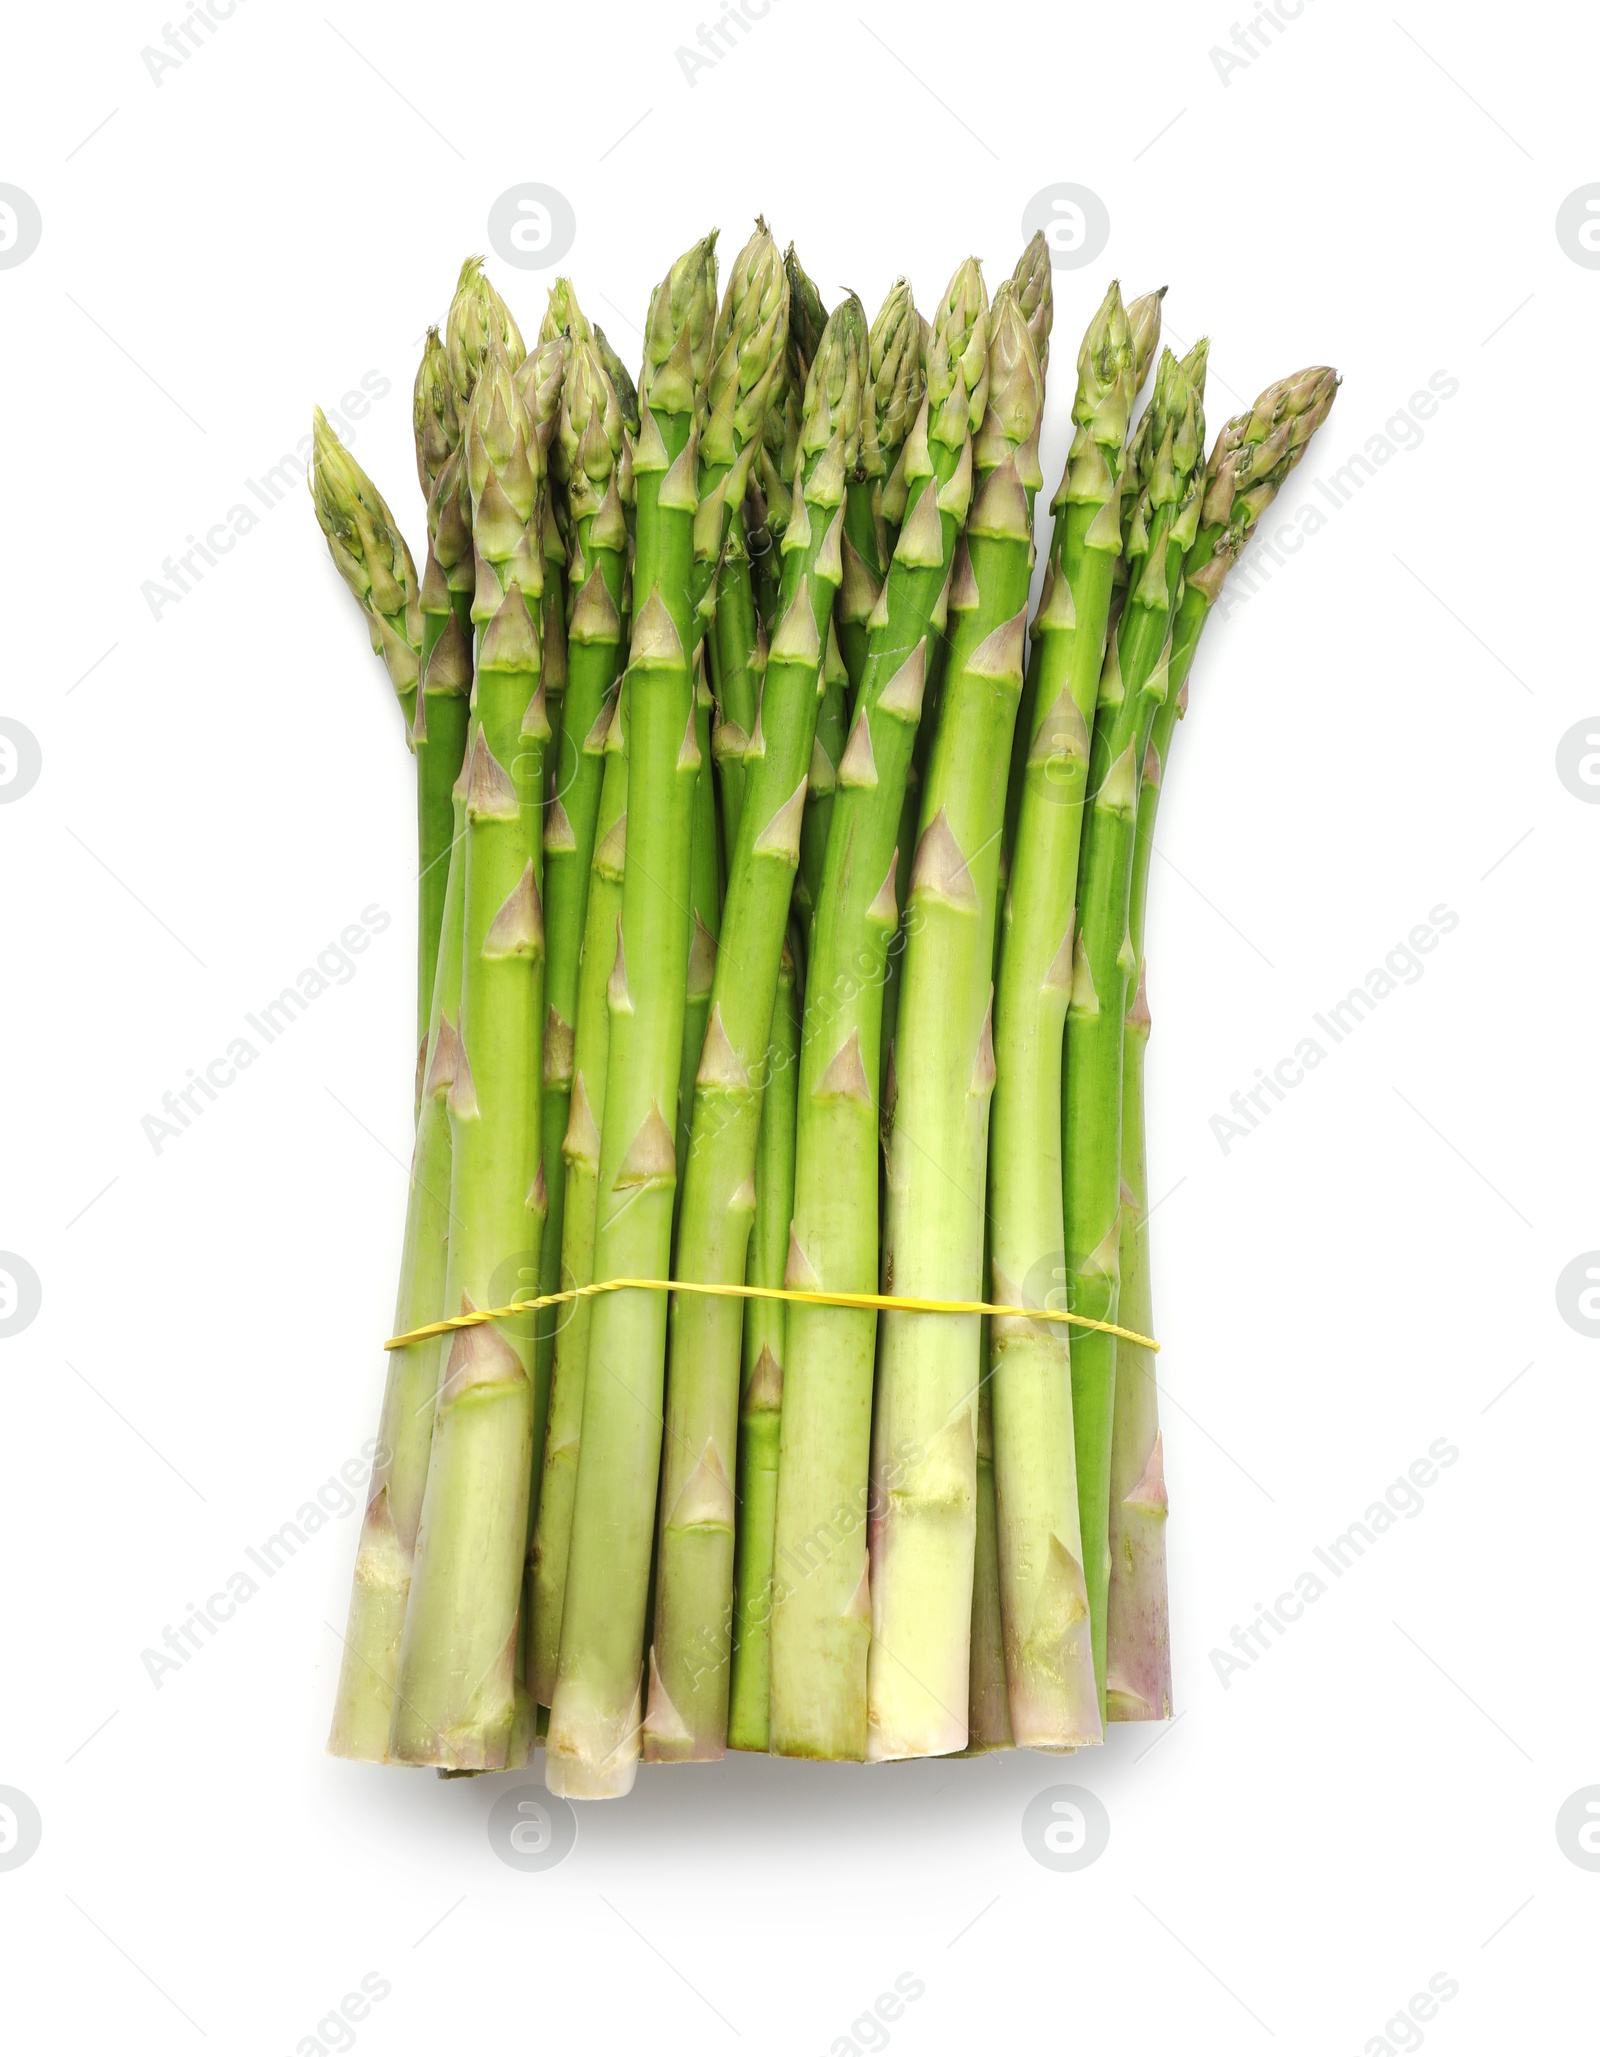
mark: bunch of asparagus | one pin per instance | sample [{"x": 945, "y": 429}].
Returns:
[{"x": 781, "y": 911}]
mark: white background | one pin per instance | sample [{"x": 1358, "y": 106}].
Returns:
[{"x": 225, "y": 788}]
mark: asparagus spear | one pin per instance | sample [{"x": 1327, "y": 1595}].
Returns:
[
  {"x": 988, "y": 1711},
  {"x": 384, "y": 1560},
  {"x": 688, "y": 1707},
  {"x": 621, "y": 381},
  {"x": 761, "y": 1372},
  {"x": 1031, "y": 281},
  {"x": 820, "y": 1621},
  {"x": 705, "y": 916},
  {"x": 1157, "y": 533},
  {"x": 1253, "y": 455},
  {"x": 1144, "y": 333},
  {"x": 539, "y": 382},
  {"x": 808, "y": 317},
  {"x": 906, "y": 847},
  {"x": 889, "y": 492},
  {"x": 1050, "y": 1674},
  {"x": 579, "y": 420},
  {"x": 592, "y": 1745},
  {"x": 455, "y": 1691},
  {"x": 780, "y": 436},
  {"x": 364, "y": 1703},
  {"x": 748, "y": 349},
  {"x": 371, "y": 556},
  {"x": 590, "y": 441},
  {"x": 753, "y": 332},
  {"x": 435, "y": 413},
  {"x": 373, "y": 559},
  {"x": 929, "y": 1369},
  {"x": 443, "y": 707},
  {"x": 827, "y": 747},
  {"x": 896, "y": 381},
  {"x": 478, "y": 319},
  {"x": 580, "y": 1148}
]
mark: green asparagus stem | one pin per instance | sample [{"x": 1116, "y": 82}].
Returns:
[
  {"x": 705, "y": 914},
  {"x": 573, "y": 409},
  {"x": 929, "y": 1368},
  {"x": 899, "y": 380},
  {"x": 1044, "y": 1604},
  {"x": 988, "y": 1712},
  {"x": 444, "y": 706},
  {"x": 540, "y": 381},
  {"x": 767, "y": 500},
  {"x": 456, "y": 1689},
  {"x": 761, "y": 1373},
  {"x": 988, "y": 1707},
  {"x": 748, "y": 352},
  {"x": 820, "y": 1628},
  {"x": 1157, "y": 532},
  {"x": 439, "y": 738},
  {"x": 1138, "y": 1649},
  {"x": 773, "y": 471},
  {"x": 591, "y": 1749},
  {"x": 590, "y": 444},
  {"x": 906, "y": 846},
  {"x": 896, "y": 383},
  {"x": 688, "y": 1706},
  {"x": 580, "y": 1148},
  {"x": 1253, "y": 455},
  {"x": 364, "y": 1704},
  {"x": 738, "y": 647},
  {"x": 386, "y": 1553},
  {"x": 750, "y": 369}
]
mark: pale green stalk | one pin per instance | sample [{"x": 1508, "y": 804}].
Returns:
[
  {"x": 929, "y": 1365},
  {"x": 827, "y": 747},
  {"x": 1157, "y": 532},
  {"x": 761, "y": 1374},
  {"x": 988, "y": 1711},
  {"x": 591, "y": 1750},
  {"x": 896, "y": 381},
  {"x": 455, "y": 1694},
  {"x": 444, "y": 706},
  {"x": 589, "y": 449},
  {"x": 1253, "y": 456},
  {"x": 580, "y": 1149},
  {"x": 1044, "y": 1605},
  {"x": 758, "y": 299},
  {"x": 748, "y": 354},
  {"x": 688, "y": 1706},
  {"x": 705, "y": 917},
  {"x": 821, "y": 1616},
  {"x": 364, "y": 1703},
  {"x": 385, "y": 1555}
]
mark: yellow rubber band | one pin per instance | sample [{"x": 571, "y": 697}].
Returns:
[{"x": 891, "y": 1302}]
